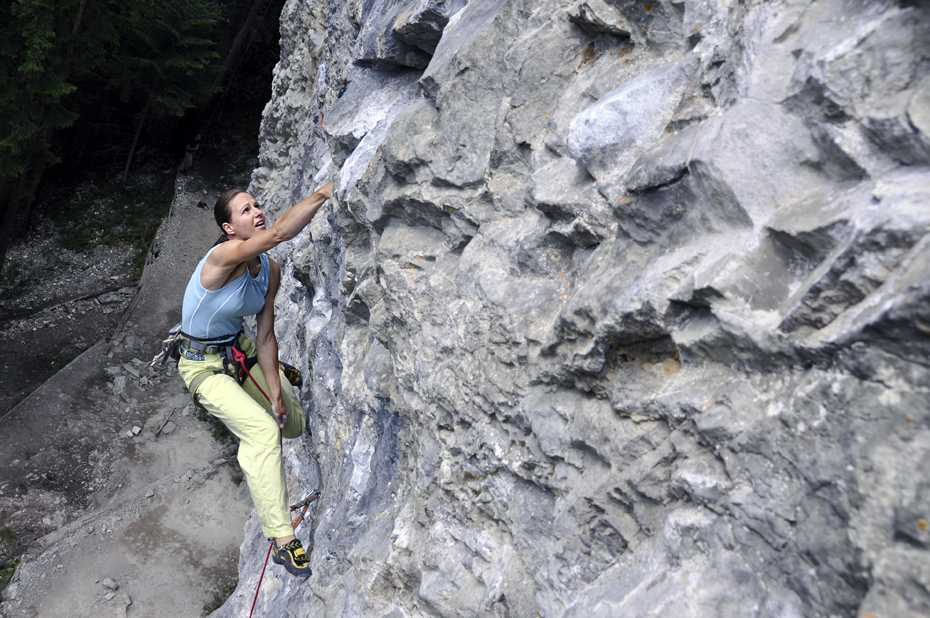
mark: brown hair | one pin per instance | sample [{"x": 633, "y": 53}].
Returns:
[{"x": 221, "y": 211}]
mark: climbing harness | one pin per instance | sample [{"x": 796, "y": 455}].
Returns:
[{"x": 180, "y": 344}]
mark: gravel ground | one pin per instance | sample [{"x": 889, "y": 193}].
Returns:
[{"x": 94, "y": 493}]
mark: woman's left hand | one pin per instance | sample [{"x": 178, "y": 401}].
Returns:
[{"x": 280, "y": 412}]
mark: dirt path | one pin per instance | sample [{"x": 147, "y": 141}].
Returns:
[{"x": 113, "y": 500}]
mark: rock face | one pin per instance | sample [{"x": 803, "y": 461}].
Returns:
[{"x": 623, "y": 308}]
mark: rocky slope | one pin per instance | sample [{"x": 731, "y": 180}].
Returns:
[{"x": 622, "y": 309}]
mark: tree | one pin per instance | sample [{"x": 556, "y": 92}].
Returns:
[
  {"x": 45, "y": 45},
  {"x": 163, "y": 64}
]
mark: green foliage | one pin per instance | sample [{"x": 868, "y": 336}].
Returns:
[
  {"x": 7, "y": 535},
  {"x": 163, "y": 60},
  {"x": 8, "y": 571},
  {"x": 221, "y": 434},
  {"x": 219, "y": 597},
  {"x": 11, "y": 273},
  {"x": 45, "y": 46},
  {"x": 153, "y": 55}
]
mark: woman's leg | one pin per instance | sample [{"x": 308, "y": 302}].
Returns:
[{"x": 259, "y": 449}]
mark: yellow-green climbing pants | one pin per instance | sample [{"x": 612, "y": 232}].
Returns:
[{"x": 247, "y": 414}]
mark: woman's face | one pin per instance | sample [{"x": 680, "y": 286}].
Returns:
[{"x": 245, "y": 217}]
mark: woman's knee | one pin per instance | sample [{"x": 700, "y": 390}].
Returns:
[
  {"x": 263, "y": 435},
  {"x": 296, "y": 424}
]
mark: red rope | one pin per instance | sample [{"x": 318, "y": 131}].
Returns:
[
  {"x": 239, "y": 357},
  {"x": 262, "y": 576}
]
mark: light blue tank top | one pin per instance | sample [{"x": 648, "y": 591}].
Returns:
[{"x": 211, "y": 314}]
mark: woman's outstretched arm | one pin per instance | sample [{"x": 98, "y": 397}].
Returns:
[{"x": 226, "y": 257}]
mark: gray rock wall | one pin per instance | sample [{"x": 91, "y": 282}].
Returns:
[{"x": 623, "y": 308}]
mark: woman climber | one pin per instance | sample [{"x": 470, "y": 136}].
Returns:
[{"x": 235, "y": 279}]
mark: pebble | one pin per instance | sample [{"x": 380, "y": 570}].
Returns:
[
  {"x": 169, "y": 427},
  {"x": 150, "y": 493},
  {"x": 135, "y": 430},
  {"x": 119, "y": 385},
  {"x": 109, "y": 584}
]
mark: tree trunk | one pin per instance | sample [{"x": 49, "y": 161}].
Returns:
[
  {"x": 77, "y": 21},
  {"x": 232, "y": 57},
  {"x": 11, "y": 206},
  {"x": 135, "y": 141},
  {"x": 239, "y": 42}
]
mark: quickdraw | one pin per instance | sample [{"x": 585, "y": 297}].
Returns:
[{"x": 314, "y": 495}]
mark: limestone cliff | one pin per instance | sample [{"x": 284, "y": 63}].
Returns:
[{"x": 623, "y": 308}]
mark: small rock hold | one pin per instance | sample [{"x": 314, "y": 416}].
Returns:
[
  {"x": 110, "y": 584},
  {"x": 150, "y": 493},
  {"x": 219, "y": 462},
  {"x": 135, "y": 430}
]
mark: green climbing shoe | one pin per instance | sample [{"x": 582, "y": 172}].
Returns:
[{"x": 293, "y": 557}]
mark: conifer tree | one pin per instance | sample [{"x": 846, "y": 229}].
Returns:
[
  {"x": 154, "y": 54},
  {"x": 45, "y": 47},
  {"x": 163, "y": 63}
]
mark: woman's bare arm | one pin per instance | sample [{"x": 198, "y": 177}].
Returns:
[
  {"x": 266, "y": 345},
  {"x": 226, "y": 257}
]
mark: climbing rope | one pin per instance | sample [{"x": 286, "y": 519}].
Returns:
[
  {"x": 260, "y": 578},
  {"x": 239, "y": 357}
]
